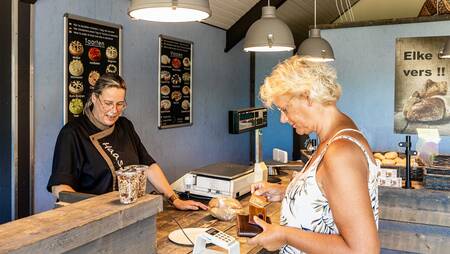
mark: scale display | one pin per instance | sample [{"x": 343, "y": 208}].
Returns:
[{"x": 243, "y": 120}]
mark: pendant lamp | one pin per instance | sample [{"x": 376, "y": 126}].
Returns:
[
  {"x": 315, "y": 48},
  {"x": 445, "y": 53},
  {"x": 268, "y": 34},
  {"x": 169, "y": 10}
]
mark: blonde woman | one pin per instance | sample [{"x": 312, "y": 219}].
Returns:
[{"x": 332, "y": 205}]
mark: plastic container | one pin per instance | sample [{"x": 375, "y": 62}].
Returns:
[
  {"x": 142, "y": 178},
  {"x": 128, "y": 182}
]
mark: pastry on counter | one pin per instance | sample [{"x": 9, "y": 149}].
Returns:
[{"x": 393, "y": 159}]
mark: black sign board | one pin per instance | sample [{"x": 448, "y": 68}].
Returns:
[
  {"x": 175, "y": 82},
  {"x": 91, "y": 48}
]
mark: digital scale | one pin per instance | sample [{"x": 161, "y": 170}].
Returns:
[{"x": 220, "y": 179}]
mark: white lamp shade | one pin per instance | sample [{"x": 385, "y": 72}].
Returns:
[
  {"x": 315, "y": 48},
  {"x": 269, "y": 34},
  {"x": 446, "y": 50},
  {"x": 169, "y": 10}
]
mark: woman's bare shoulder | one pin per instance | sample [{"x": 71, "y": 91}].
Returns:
[{"x": 344, "y": 159}]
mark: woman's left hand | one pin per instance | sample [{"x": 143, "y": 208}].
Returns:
[
  {"x": 272, "y": 238},
  {"x": 188, "y": 205}
]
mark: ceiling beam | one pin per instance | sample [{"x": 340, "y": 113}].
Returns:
[{"x": 238, "y": 30}]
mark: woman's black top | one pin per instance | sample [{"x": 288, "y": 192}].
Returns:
[{"x": 86, "y": 157}]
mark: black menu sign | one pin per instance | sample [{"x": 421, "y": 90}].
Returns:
[
  {"x": 175, "y": 82},
  {"x": 91, "y": 48}
]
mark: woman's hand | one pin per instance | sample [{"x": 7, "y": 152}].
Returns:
[
  {"x": 273, "y": 192},
  {"x": 272, "y": 238},
  {"x": 188, "y": 205}
]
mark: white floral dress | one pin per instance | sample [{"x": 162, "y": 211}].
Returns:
[{"x": 304, "y": 205}]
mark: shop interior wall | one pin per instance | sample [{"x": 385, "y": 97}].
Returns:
[
  {"x": 276, "y": 134},
  {"x": 365, "y": 62},
  {"x": 220, "y": 83}
]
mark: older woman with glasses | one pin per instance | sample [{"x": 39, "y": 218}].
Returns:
[
  {"x": 331, "y": 206},
  {"x": 91, "y": 148}
]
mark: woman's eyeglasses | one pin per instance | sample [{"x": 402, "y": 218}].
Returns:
[
  {"x": 284, "y": 110},
  {"x": 109, "y": 105}
]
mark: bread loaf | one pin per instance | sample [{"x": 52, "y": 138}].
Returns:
[
  {"x": 428, "y": 104},
  {"x": 427, "y": 110},
  {"x": 224, "y": 208}
]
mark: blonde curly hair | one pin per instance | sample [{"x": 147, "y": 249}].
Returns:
[{"x": 297, "y": 76}]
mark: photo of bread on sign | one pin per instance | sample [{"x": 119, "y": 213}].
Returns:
[{"x": 431, "y": 103}]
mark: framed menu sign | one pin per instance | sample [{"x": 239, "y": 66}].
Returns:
[
  {"x": 175, "y": 82},
  {"x": 91, "y": 48}
]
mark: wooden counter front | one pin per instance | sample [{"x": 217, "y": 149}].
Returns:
[
  {"x": 190, "y": 219},
  {"x": 96, "y": 225}
]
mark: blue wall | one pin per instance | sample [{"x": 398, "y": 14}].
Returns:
[
  {"x": 276, "y": 134},
  {"x": 220, "y": 83},
  {"x": 365, "y": 61}
]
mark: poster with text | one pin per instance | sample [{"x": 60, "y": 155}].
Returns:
[
  {"x": 91, "y": 48},
  {"x": 422, "y": 96},
  {"x": 174, "y": 82}
]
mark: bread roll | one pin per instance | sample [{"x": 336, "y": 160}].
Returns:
[
  {"x": 400, "y": 162},
  {"x": 391, "y": 155},
  {"x": 388, "y": 162},
  {"x": 378, "y": 156}
]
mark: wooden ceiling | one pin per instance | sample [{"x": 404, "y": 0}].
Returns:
[{"x": 236, "y": 16}]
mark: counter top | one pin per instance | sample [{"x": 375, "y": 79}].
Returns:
[
  {"x": 74, "y": 226},
  {"x": 188, "y": 219}
]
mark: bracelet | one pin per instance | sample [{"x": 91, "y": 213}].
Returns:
[{"x": 172, "y": 198}]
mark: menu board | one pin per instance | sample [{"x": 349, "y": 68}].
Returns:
[
  {"x": 91, "y": 48},
  {"x": 175, "y": 82}
]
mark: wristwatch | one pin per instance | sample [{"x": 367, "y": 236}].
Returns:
[{"x": 172, "y": 198}]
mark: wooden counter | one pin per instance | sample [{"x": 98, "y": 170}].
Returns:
[
  {"x": 414, "y": 220},
  {"x": 188, "y": 219},
  {"x": 417, "y": 221},
  {"x": 96, "y": 225}
]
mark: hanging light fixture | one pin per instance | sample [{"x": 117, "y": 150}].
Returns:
[
  {"x": 445, "y": 53},
  {"x": 315, "y": 48},
  {"x": 169, "y": 10},
  {"x": 269, "y": 33}
]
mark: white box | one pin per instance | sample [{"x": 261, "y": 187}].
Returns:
[
  {"x": 391, "y": 173},
  {"x": 396, "y": 182},
  {"x": 382, "y": 181}
]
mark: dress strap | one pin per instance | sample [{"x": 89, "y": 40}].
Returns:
[
  {"x": 336, "y": 137},
  {"x": 340, "y": 131},
  {"x": 318, "y": 159}
]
